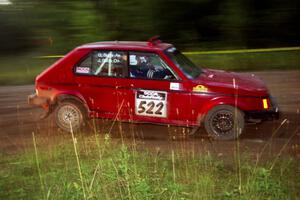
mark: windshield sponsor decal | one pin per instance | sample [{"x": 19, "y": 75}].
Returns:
[
  {"x": 151, "y": 103},
  {"x": 200, "y": 88}
]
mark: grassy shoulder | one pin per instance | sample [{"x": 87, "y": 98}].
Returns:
[
  {"x": 22, "y": 69},
  {"x": 96, "y": 167},
  {"x": 279, "y": 60}
]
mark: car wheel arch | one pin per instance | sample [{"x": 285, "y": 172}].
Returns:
[
  {"x": 71, "y": 97},
  {"x": 214, "y": 103}
]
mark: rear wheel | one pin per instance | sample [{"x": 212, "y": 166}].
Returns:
[
  {"x": 69, "y": 114},
  {"x": 224, "y": 122}
]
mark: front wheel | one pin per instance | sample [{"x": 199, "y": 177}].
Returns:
[
  {"x": 69, "y": 114},
  {"x": 224, "y": 122}
]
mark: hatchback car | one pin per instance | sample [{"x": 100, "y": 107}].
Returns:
[{"x": 149, "y": 82}]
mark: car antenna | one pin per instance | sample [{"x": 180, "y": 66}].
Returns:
[{"x": 154, "y": 41}]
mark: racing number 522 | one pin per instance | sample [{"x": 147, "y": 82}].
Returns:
[{"x": 150, "y": 108}]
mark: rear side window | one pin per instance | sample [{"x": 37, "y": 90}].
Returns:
[{"x": 104, "y": 63}]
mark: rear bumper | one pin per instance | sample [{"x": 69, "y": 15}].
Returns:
[
  {"x": 43, "y": 102},
  {"x": 33, "y": 99}
]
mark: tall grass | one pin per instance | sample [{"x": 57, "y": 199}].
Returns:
[{"x": 116, "y": 169}]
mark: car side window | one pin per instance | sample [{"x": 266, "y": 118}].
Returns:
[
  {"x": 104, "y": 63},
  {"x": 148, "y": 66}
]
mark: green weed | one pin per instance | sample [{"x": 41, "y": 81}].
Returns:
[{"x": 114, "y": 169}]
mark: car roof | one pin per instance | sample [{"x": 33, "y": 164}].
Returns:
[{"x": 127, "y": 45}]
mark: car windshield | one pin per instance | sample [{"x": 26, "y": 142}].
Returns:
[{"x": 187, "y": 66}]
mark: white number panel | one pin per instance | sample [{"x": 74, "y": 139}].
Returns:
[{"x": 151, "y": 103}]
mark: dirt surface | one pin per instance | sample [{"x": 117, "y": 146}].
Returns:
[{"x": 18, "y": 120}]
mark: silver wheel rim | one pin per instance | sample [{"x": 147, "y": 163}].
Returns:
[{"x": 69, "y": 114}]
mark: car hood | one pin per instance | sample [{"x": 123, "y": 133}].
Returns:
[{"x": 223, "y": 82}]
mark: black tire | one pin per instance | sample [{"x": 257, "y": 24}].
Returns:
[
  {"x": 69, "y": 111},
  {"x": 224, "y": 122}
]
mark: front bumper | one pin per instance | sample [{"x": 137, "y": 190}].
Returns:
[
  {"x": 263, "y": 115},
  {"x": 271, "y": 114}
]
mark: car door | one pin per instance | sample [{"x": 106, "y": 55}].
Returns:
[
  {"x": 97, "y": 78},
  {"x": 154, "y": 92}
]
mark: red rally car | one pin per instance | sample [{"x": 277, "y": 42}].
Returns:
[{"x": 149, "y": 82}]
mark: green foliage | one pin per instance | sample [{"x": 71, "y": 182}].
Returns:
[{"x": 200, "y": 24}]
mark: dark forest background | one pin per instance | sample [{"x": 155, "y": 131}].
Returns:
[{"x": 59, "y": 26}]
